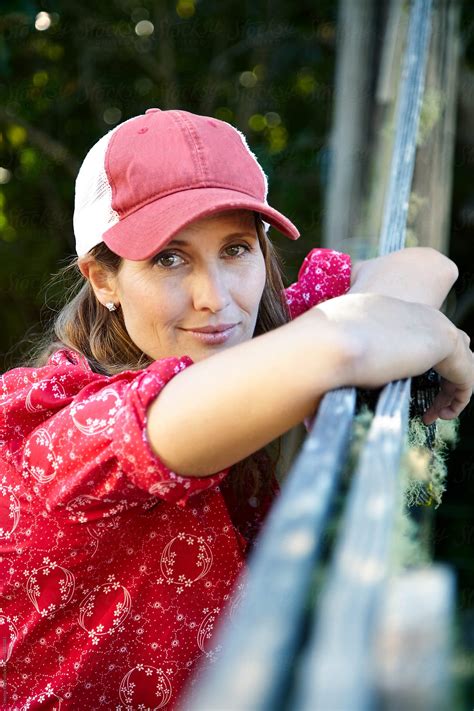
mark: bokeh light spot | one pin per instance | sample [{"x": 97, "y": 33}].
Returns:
[
  {"x": 43, "y": 21},
  {"x": 144, "y": 28},
  {"x": 112, "y": 115}
]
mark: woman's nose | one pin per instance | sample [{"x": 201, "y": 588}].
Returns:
[{"x": 210, "y": 290}]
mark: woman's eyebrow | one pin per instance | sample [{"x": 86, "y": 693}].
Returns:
[{"x": 184, "y": 243}]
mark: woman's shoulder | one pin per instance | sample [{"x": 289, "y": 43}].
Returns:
[
  {"x": 67, "y": 357},
  {"x": 67, "y": 375},
  {"x": 64, "y": 373},
  {"x": 63, "y": 359}
]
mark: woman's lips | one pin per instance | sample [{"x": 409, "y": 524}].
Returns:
[{"x": 214, "y": 338}]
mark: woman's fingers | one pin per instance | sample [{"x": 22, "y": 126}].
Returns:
[
  {"x": 448, "y": 403},
  {"x": 453, "y": 397}
]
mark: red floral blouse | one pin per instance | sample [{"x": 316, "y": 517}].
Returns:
[{"x": 114, "y": 570}]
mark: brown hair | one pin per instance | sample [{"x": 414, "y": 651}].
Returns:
[{"x": 84, "y": 325}]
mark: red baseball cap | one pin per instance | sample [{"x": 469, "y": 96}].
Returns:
[{"x": 153, "y": 174}]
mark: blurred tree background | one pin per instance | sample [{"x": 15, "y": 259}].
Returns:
[{"x": 70, "y": 71}]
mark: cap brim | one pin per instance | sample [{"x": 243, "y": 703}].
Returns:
[{"x": 141, "y": 234}]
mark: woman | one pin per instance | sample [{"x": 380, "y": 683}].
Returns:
[{"x": 136, "y": 484}]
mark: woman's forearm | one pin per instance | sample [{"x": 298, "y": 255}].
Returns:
[
  {"x": 419, "y": 274},
  {"x": 222, "y": 409}
]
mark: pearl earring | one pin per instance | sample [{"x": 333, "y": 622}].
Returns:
[{"x": 111, "y": 306}]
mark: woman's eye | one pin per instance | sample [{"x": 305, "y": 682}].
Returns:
[
  {"x": 165, "y": 259},
  {"x": 238, "y": 246},
  {"x": 162, "y": 258}
]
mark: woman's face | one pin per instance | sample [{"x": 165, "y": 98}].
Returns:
[{"x": 212, "y": 273}]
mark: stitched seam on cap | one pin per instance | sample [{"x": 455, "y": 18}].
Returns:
[{"x": 190, "y": 132}]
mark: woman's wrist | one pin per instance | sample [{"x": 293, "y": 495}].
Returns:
[{"x": 344, "y": 348}]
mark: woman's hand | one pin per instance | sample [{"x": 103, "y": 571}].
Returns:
[
  {"x": 455, "y": 386},
  {"x": 393, "y": 339},
  {"x": 420, "y": 274}
]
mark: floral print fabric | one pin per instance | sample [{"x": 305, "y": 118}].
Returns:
[{"x": 115, "y": 570}]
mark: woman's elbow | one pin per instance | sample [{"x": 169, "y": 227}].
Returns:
[
  {"x": 447, "y": 266},
  {"x": 453, "y": 270}
]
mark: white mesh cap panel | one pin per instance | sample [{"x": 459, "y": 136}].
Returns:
[
  {"x": 265, "y": 179},
  {"x": 93, "y": 213}
]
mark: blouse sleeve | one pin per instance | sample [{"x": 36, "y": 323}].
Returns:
[
  {"x": 132, "y": 448},
  {"x": 324, "y": 274},
  {"x": 73, "y": 436}
]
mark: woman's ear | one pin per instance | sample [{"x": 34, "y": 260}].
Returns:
[{"x": 102, "y": 280}]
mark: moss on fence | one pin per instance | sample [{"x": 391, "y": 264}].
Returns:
[{"x": 422, "y": 479}]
